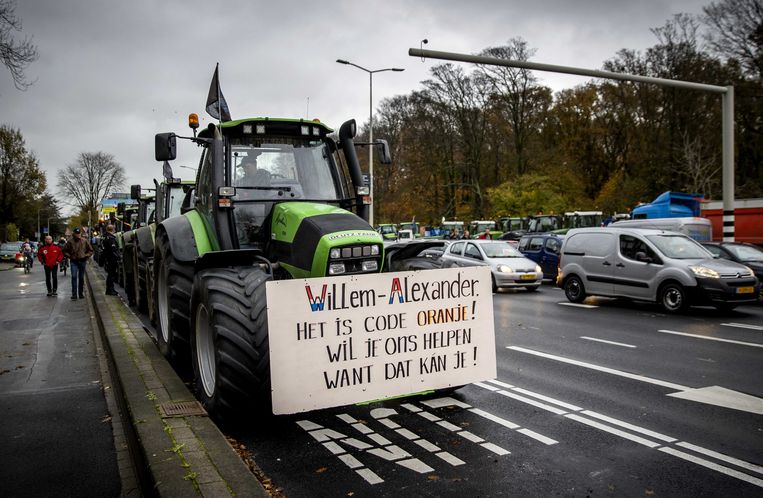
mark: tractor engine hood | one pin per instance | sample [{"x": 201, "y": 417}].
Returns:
[{"x": 303, "y": 235}]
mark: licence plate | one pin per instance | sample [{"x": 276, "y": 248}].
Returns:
[
  {"x": 745, "y": 290},
  {"x": 530, "y": 276}
]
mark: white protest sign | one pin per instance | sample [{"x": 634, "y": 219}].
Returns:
[{"x": 342, "y": 340}]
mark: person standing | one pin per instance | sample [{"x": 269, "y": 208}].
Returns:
[
  {"x": 78, "y": 250},
  {"x": 50, "y": 256},
  {"x": 110, "y": 256}
]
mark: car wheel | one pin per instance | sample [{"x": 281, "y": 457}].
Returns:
[
  {"x": 574, "y": 289},
  {"x": 495, "y": 286},
  {"x": 673, "y": 298}
]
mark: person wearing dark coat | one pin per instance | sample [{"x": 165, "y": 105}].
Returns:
[
  {"x": 111, "y": 259},
  {"x": 78, "y": 250}
]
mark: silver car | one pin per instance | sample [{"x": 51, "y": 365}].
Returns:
[{"x": 510, "y": 268}]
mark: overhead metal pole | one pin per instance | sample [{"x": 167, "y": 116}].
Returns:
[
  {"x": 370, "y": 129},
  {"x": 727, "y": 111}
]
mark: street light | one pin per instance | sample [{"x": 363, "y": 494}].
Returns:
[
  {"x": 188, "y": 167},
  {"x": 370, "y": 128}
]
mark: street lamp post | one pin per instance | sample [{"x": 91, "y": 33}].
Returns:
[{"x": 370, "y": 128}]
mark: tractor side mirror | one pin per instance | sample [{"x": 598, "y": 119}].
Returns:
[
  {"x": 134, "y": 191},
  {"x": 165, "y": 146},
  {"x": 348, "y": 130},
  {"x": 385, "y": 157},
  {"x": 121, "y": 208}
]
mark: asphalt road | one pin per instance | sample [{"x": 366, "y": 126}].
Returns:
[
  {"x": 568, "y": 414},
  {"x": 608, "y": 398}
]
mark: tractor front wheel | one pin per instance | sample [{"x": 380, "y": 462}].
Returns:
[
  {"x": 174, "y": 282},
  {"x": 229, "y": 342}
]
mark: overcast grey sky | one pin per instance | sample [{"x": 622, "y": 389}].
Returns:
[{"x": 113, "y": 73}]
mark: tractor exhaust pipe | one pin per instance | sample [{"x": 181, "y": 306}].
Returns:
[{"x": 346, "y": 133}]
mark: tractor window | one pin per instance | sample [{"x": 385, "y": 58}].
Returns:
[
  {"x": 282, "y": 168},
  {"x": 176, "y": 197}
]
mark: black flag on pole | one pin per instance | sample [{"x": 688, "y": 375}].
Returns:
[{"x": 216, "y": 105}]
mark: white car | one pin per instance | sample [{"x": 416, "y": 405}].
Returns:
[{"x": 509, "y": 267}]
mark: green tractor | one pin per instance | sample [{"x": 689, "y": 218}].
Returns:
[
  {"x": 274, "y": 199},
  {"x": 169, "y": 198},
  {"x": 139, "y": 220}
]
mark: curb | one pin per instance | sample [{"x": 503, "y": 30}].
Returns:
[{"x": 181, "y": 455}]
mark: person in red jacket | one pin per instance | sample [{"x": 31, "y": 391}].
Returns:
[{"x": 50, "y": 255}]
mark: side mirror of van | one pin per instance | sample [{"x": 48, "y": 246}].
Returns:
[{"x": 642, "y": 257}]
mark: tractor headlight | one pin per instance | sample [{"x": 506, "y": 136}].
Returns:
[
  {"x": 347, "y": 252},
  {"x": 336, "y": 268},
  {"x": 370, "y": 265},
  {"x": 335, "y": 253},
  {"x": 374, "y": 250},
  {"x": 704, "y": 271}
]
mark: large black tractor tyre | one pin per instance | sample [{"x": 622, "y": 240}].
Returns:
[
  {"x": 141, "y": 272},
  {"x": 128, "y": 278},
  {"x": 229, "y": 343},
  {"x": 150, "y": 291},
  {"x": 172, "y": 294}
]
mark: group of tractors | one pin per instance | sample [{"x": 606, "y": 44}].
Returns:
[{"x": 272, "y": 199}]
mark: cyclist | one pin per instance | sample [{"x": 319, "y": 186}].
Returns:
[{"x": 27, "y": 251}]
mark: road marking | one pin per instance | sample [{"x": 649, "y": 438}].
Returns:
[
  {"x": 642, "y": 378},
  {"x": 612, "y": 430},
  {"x": 714, "y": 466},
  {"x": 578, "y": 417},
  {"x": 742, "y": 343},
  {"x": 607, "y": 342},
  {"x": 720, "y": 396},
  {"x": 578, "y": 305},
  {"x": 743, "y": 326},
  {"x": 569, "y": 406},
  {"x": 632, "y": 427},
  {"x": 721, "y": 456},
  {"x": 537, "y": 404}
]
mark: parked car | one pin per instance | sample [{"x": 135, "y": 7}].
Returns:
[
  {"x": 651, "y": 265},
  {"x": 9, "y": 250},
  {"x": 543, "y": 249},
  {"x": 414, "y": 255},
  {"x": 510, "y": 268},
  {"x": 747, "y": 254}
]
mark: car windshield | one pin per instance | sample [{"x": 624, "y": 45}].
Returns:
[
  {"x": 10, "y": 247},
  {"x": 282, "y": 168},
  {"x": 745, "y": 253},
  {"x": 500, "y": 250},
  {"x": 387, "y": 229},
  {"x": 679, "y": 247}
]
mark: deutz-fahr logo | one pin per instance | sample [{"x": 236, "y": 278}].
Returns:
[{"x": 367, "y": 233}]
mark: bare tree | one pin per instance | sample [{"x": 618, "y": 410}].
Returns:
[
  {"x": 15, "y": 54},
  {"x": 90, "y": 179},
  {"x": 736, "y": 32},
  {"x": 701, "y": 168}
]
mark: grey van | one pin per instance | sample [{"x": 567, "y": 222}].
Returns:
[{"x": 651, "y": 265}]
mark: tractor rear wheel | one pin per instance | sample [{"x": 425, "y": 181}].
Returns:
[
  {"x": 174, "y": 281},
  {"x": 150, "y": 291},
  {"x": 229, "y": 342},
  {"x": 141, "y": 270},
  {"x": 129, "y": 270}
]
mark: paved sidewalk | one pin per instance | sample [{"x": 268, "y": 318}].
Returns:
[{"x": 56, "y": 436}]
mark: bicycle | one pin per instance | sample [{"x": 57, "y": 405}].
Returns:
[{"x": 28, "y": 264}]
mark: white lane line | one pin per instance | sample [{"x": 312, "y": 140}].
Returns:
[
  {"x": 612, "y": 430},
  {"x": 369, "y": 476},
  {"x": 529, "y": 401},
  {"x": 494, "y": 418},
  {"x": 578, "y": 305},
  {"x": 547, "y": 398},
  {"x": 714, "y": 466},
  {"x": 669, "y": 385},
  {"x": 721, "y": 456},
  {"x": 538, "y": 437},
  {"x": 742, "y": 343},
  {"x": 487, "y": 386},
  {"x": 607, "y": 342},
  {"x": 743, "y": 326},
  {"x": 632, "y": 427},
  {"x": 499, "y": 383}
]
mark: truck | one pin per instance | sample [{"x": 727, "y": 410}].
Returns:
[
  {"x": 301, "y": 211},
  {"x": 748, "y": 220}
]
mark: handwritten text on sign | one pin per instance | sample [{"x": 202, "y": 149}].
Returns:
[{"x": 343, "y": 340}]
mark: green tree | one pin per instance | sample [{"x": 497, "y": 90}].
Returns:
[
  {"x": 22, "y": 182},
  {"x": 16, "y": 55},
  {"x": 89, "y": 180}
]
